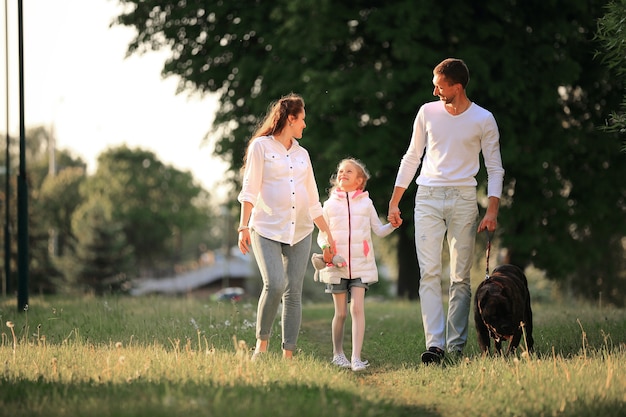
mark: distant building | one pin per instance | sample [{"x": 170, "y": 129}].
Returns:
[{"x": 232, "y": 271}]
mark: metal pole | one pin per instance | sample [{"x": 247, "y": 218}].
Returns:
[
  {"x": 7, "y": 185},
  {"x": 22, "y": 186}
]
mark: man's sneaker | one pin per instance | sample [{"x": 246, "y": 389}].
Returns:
[
  {"x": 432, "y": 355},
  {"x": 341, "y": 361},
  {"x": 359, "y": 365}
]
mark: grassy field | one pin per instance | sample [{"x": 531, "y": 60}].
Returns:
[{"x": 159, "y": 356}]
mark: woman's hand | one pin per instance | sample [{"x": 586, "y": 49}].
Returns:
[
  {"x": 328, "y": 256},
  {"x": 244, "y": 241}
]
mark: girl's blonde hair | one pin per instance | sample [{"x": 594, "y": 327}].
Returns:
[{"x": 362, "y": 172}]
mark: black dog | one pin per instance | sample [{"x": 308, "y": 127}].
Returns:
[{"x": 502, "y": 307}]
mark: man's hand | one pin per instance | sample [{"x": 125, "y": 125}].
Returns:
[
  {"x": 393, "y": 216},
  {"x": 488, "y": 223}
]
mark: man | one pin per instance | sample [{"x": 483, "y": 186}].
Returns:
[{"x": 450, "y": 134}]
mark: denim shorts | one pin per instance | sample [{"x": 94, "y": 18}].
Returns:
[{"x": 345, "y": 285}]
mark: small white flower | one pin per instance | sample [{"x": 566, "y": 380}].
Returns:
[{"x": 194, "y": 324}]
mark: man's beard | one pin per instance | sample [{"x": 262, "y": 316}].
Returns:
[{"x": 446, "y": 99}]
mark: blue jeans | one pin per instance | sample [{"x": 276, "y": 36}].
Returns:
[
  {"x": 450, "y": 212},
  {"x": 282, "y": 268}
]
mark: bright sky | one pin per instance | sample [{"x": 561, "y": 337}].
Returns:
[{"x": 78, "y": 82}]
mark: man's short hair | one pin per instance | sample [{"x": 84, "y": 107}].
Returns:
[{"x": 455, "y": 71}]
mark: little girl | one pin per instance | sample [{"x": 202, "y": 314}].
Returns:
[{"x": 351, "y": 218}]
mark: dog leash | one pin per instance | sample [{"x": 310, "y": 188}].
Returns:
[{"x": 488, "y": 250}]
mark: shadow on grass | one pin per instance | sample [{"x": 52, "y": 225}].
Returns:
[{"x": 156, "y": 399}]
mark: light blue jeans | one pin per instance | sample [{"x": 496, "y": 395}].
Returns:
[
  {"x": 451, "y": 212},
  {"x": 282, "y": 268}
]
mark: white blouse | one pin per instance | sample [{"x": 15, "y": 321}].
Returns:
[{"x": 281, "y": 186}]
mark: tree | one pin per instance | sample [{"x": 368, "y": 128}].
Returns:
[
  {"x": 365, "y": 66},
  {"x": 76, "y": 245},
  {"x": 46, "y": 205},
  {"x": 612, "y": 37},
  {"x": 155, "y": 203},
  {"x": 60, "y": 195},
  {"x": 102, "y": 260}
]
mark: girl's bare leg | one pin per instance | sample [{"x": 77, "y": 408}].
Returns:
[
  {"x": 339, "y": 319},
  {"x": 357, "y": 311}
]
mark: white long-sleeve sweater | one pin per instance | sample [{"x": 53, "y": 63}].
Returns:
[
  {"x": 352, "y": 218},
  {"x": 451, "y": 146}
]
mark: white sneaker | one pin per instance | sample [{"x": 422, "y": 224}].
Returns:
[
  {"x": 359, "y": 365},
  {"x": 341, "y": 361}
]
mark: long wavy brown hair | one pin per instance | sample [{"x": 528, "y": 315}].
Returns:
[{"x": 278, "y": 113}]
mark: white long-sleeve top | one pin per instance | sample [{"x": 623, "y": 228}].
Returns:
[
  {"x": 352, "y": 218},
  {"x": 452, "y": 145},
  {"x": 281, "y": 186}
]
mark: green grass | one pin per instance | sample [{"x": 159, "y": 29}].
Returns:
[{"x": 159, "y": 356}]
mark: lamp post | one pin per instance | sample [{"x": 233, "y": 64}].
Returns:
[
  {"x": 6, "y": 288},
  {"x": 22, "y": 185},
  {"x": 225, "y": 212}
]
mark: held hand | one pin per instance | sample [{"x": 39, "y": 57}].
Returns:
[
  {"x": 328, "y": 256},
  {"x": 330, "y": 251},
  {"x": 393, "y": 216},
  {"x": 333, "y": 247},
  {"x": 244, "y": 241},
  {"x": 397, "y": 223}
]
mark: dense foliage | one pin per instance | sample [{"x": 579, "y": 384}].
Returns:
[
  {"x": 135, "y": 216},
  {"x": 365, "y": 66},
  {"x": 613, "y": 53},
  {"x": 152, "y": 200}
]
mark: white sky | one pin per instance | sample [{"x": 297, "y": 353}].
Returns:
[{"x": 77, "y": 80}]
